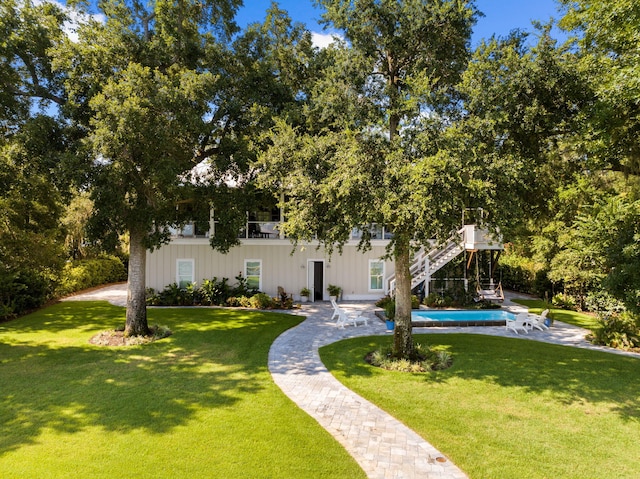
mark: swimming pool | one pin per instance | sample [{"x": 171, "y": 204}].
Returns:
[{"x": 487, "y": 317}]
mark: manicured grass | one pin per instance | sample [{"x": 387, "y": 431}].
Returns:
[
  {"x": 199, "y": 404},
  {"x": 570, "y": 317},
  {"x": 511, "y": 408}
]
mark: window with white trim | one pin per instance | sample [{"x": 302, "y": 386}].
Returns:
[
  {"x": 253, "y": 273},
  {"x": 376, "y": 275},
  {"x": 185, "y": 272}
]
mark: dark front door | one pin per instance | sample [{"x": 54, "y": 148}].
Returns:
[{"x": 318, "y": 280}]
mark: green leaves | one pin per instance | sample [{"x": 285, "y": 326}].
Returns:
[
  {"x": 608, "y": 51},
  {"x": 144, "y": 130}
]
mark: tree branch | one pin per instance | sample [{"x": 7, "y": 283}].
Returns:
[{"x": 38, "y": 90}]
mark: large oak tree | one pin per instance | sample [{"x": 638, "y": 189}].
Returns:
[
  {"x": 368, "y": 151},
  {"x": 141, "y": 84}
]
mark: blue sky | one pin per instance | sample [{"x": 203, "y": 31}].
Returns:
[{"x": 501, "y": 16}]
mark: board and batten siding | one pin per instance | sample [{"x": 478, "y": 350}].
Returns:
[{"x": 349, "y": 270}]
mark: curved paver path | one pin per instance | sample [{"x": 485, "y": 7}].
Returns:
[{"x": 384, "y": 447}]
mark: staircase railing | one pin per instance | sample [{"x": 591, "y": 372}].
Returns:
[{"x": 426, "y": 263}]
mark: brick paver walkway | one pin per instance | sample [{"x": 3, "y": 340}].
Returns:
[{"x": 383, "y": 446}]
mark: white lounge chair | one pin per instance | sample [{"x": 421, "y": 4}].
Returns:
[
  {"x": 519, "y": 323},
  {"x": 336, "y": 309},
  {"x": 345, "y": 317},
  {"x": 534, "y": 321},
  {"x": 352, "y": 318}
]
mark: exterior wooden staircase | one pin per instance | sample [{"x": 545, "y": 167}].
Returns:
[{"x": 425, "y": 264}]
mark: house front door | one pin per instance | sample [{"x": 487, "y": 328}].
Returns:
[{"x": 316, "y": 279}]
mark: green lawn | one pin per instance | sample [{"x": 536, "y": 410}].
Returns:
[
  {"x": 586, "y": 321},
  {"x": 511, "y": 408},
  {"x": 199, "y": 404}
]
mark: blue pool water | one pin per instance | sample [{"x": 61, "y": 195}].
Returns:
[{"x": 491, "y": 317}]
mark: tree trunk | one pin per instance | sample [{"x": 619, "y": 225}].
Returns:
[
  {"x": 136, "y": 324},
  {"x": 403, "y": 338}
]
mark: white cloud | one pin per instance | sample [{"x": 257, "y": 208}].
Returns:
[
  {"x": 75, "y": 18},
  {"x": 323, "y": 40}
]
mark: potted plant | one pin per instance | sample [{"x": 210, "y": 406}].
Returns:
[
  {"x": 334, "y": 291},
  {"x": 390, "y": 315},
  {"x": 304, "y": 294}
]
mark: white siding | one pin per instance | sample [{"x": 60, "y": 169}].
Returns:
[{"x": 279, "y": 267}]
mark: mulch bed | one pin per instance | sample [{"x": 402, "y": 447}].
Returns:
[{"x": 117, "y": 338}]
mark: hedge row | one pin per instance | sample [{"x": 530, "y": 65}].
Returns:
[
  {"x": 83, "y": 274},
  {"x": 26, "y": 290},
  {"x": 23, "y": 291},
  {"x": 215, "y": 292}
]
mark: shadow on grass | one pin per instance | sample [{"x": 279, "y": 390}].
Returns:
[
  {"x": 57, "y": 381},
  {"x": 569, "y": 375}
]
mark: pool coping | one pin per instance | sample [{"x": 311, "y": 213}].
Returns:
[
  {"x": 457, "y": 324},
  {"x": 453, "y": 324},
  {"x": 428, "y": 323}
]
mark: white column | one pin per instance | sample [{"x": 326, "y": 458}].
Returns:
[
  {"x": 280, "y": 233},
  {"x": 427, "y": 279}
]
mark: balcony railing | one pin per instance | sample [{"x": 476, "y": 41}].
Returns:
[
  {"x": 268, "y": 230},
  {"x": 260, "y": 230},
  {"x": 377, "y": 232},
  {"x": 189, "y": 230}
]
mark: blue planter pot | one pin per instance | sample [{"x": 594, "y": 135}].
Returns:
[{"x": 390, "y": 325}]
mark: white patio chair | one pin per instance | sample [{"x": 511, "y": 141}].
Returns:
[
  {"x": 519, "y": 323},
  {"x": 336, "y": 309},
  {"x": 534, "y": 321},
  {"x": 345, "y": 317}
]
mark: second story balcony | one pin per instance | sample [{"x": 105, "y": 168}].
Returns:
[{"x": 264, "y": 231}]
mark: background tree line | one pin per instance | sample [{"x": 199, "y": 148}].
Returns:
[{"x": 103, "y": 119}]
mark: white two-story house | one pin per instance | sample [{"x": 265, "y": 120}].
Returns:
[{"x": 268, "y": 260}]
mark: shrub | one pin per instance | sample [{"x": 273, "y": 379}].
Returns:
[
  {"x": 82, "y": 274},
  {"x": 620, "y": 331},
  {"x": 173, "y": 295},
  {"x": 244, "y": 301},
  {"x": 454, "y": 297},
  {"x": 261, "y": 301},
  {"x": 214, "y": 291},
  {"x": 425, "y": 360},
  {"x": 382, "y": 302},
  {"x": 433, "y": 300},
  {"x": 601, "y": 301},
  {"x": 390, "y": 310},
  {"x": 22, "y": 291},
  {"x": 152, "y": 297},
  {"x": 484, "y": 304},
  {"x": 542, "y": 285},
  {"x": 232, "y": 302},
  {"x": 517, "y": 273},
  {"x": 241, "y": 288},
  {"x": 415, "y": 302},
  {"x": 564, "y": 301}
]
